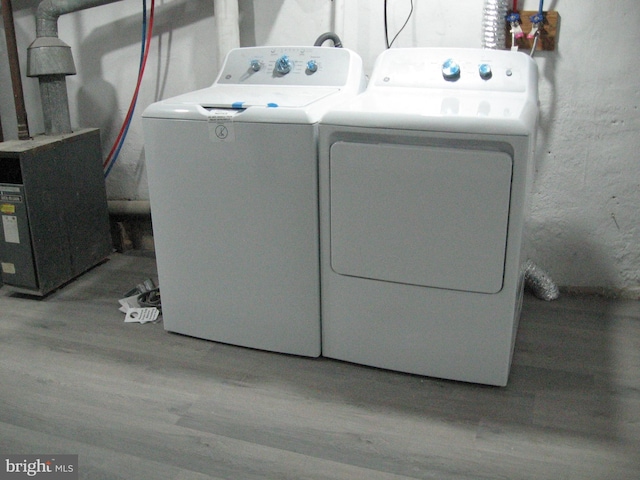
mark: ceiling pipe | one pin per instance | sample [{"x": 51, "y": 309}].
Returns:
[
  {"x": 227, "y": 26},
  {"x": 50, "y": 60},
  {"x": 14, "y": 67}
]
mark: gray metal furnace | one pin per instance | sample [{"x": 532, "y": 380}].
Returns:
[{"x": 53, "y": 205}]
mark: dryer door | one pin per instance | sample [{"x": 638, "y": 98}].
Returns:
[{"x": 421, "y": 215}]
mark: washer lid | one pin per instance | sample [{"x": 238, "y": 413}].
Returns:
[
  {"x": 259, "y": 104},
  {"x": 242, "y": 97}
]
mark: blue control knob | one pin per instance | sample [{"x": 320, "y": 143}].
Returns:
[
  {"x": 256, "y": 65},
  {"x": 312, "y": 66},
  {"x": 450, "y": 70},
  {"x": 485, "y": 71},
  {"x": 283, "y": 65}
]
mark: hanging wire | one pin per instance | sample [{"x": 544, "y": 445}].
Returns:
[
  {"x": 386, "y": 25},
  {"x": 147, "y": 33}
]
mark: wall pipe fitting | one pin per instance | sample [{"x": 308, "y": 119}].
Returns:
[
  {"x": 14, "y": 67},
  {"x": 50, "y": 60}
]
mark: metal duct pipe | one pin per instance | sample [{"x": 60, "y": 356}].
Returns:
[
  {"x": 50, "y": 60},
  {"x": 228, "y": 27},
  {"x": 493, "y": 24},
  {"x": 49, "y": 11},
  {"x": 55, "y": 104},
  {"x": 14, "y": 67}
]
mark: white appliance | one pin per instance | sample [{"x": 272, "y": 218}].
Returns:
[
  {"x": 423, "y": 186},
  {"x": 234, "y": 196}
]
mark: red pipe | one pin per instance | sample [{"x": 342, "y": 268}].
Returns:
[
  {"x": 106, "y": 165},
  {"x": 14, "y": 66}
]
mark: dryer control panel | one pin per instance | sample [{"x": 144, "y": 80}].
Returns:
[
  {"x": 455, "y": 69},
  {"x": 448, "y": 89},
  {"x": 311, "y": 66}
]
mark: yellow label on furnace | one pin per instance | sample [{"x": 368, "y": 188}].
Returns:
[{"x": 7, "y": 208}]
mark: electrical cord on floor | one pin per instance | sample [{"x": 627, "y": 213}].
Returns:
[{"x": 150, "y": 299}]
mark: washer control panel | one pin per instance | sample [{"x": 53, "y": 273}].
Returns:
[
  {"x": 313, "y": 66},
  {"x": 453, "y": 69}
]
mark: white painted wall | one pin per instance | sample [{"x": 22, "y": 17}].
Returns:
[{"x": 585, "y": 215}]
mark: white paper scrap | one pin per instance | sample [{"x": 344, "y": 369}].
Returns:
[
  {"x": 128, "y": 303},
  {"x": 142, "y": 315}
]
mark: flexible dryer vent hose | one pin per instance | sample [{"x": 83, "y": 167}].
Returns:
[
  {"x": 539, "y": 282},
  {"x": 493, "y": 24}
]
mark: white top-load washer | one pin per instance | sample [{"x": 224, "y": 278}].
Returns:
[
  {"x": 423, "y": 187},
  {"x": 234, "y": 196}
]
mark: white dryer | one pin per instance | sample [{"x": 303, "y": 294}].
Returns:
[
  {"x": 423, "y": 187},
  {"x": 234, "y": 196}
]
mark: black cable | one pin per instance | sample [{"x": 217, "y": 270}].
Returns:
[
  {"x": 150, "y": 299},
  {"x": 386, "y": 25}
]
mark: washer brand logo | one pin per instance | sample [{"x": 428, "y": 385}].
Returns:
[{"x": 54, "y": 467}]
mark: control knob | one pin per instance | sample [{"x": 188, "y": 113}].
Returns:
[
  {"x": 312, "y": 66},
  {"x": 485, "y": 71},
  {"x": 256, "y": 65},
  {"x": 450, "y": 70},
  {"x": 283, "y": 65}
]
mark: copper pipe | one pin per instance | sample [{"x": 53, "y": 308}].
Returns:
[{"x": 14, "y": 66}]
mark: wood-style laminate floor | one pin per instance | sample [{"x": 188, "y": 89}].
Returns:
[{"x": 135, "y": 402}]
